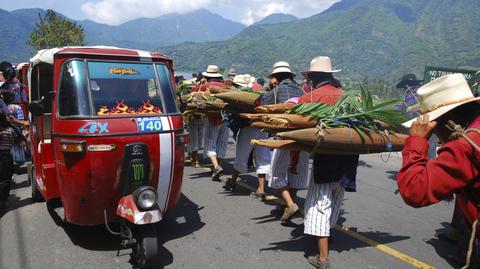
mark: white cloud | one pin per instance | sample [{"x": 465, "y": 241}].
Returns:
[{"x": 247, "y": 11}]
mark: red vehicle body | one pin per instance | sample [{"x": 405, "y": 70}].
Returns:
[{"x": 109, "y": 127}]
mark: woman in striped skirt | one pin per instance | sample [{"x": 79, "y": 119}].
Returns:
[
  {"x": 196, "y": 127},
  {"x": 287, "y": 179},
  {"x": 261, "y": 155}
]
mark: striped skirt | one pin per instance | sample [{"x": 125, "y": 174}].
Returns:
[
  {"x": 322, "y": 207},
  {"x": 261, "y": 155},
  {"x": 282, "y": 176},
  {"x": 216, "y": 139}
]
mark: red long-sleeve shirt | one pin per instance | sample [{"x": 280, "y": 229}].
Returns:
[{"x": 424, "y": 182}]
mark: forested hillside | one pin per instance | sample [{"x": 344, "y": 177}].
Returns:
[{"x": 378, "y": 39}]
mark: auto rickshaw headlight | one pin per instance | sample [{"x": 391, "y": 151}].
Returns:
[{"x": 145, "y": 197}]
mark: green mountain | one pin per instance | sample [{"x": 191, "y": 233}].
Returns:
[
  {"x": 381, "y": 39},
  {"x": 169, "y": 29},
  {"x": 276, "y": 18}
]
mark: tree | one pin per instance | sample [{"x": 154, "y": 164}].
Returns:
[{"x": 52, "y": 31}]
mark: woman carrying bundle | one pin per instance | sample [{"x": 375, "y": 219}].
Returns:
[
  {"x": 261, "y": 155},
  {"x": 216, "y": 129},
  {"x": 287, "y": 181}
]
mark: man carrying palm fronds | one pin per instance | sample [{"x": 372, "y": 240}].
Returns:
[{"x": 332, "y": 174}]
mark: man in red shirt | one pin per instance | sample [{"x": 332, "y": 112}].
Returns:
[
  {"x": 456, "y": 170},
  {"x": 332, "y": 175}
]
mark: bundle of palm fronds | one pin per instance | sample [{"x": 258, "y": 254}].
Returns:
[
  {"x": 288, "y": 144},
  {"x": 284, "y": 121},
  {"x": 276, "y": 108},
  {"x": 353, "y": 125},
  {"x": 346, "y": 139},
  {"x": 267, "y": 127},
  {"x": 357, "y": 112},
  {"x": 216, "y": 89},
  {"x": 243, "y": 99}
]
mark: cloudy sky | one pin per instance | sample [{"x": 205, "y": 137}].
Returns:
[{"x": 119, "y": 11}]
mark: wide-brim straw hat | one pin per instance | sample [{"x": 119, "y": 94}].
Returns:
[
  {"x": 244, "y": 81},
  {"x": 232, "y": 72},
  {"x": 281, "y": 67},
  {"x": 443, "y": 95},
  {"x": 320, "y": 64},
  {"x": 212, "y": 72}
]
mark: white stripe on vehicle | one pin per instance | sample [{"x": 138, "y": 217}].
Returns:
[
  {"x": 165, "y": 167},
  {"x": 172, "y": 139},
  {"x": 144, "y": 55}
]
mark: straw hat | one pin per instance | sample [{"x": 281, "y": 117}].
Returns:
[
  {"x": 212, "y": 72},
  {"x": 244, "y": 80},
  {"x": 280, "y": 67},
  {"x": 442, "y": 95},
  {"x": 320, "y": 64},
  {"x": 232, "y": 72}
]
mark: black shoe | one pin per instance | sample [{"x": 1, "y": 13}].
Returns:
[{"x": 230, "y": 185}]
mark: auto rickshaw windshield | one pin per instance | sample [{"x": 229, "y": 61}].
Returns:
[{"x": 115, "y": 89}]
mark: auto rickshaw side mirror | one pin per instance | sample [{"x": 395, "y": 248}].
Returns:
[{"x": 36, "y": 108}]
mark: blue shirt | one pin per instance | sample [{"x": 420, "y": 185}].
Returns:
[{"x": 285, "y": 90}]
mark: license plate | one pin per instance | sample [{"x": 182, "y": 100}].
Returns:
[{"x": 150, "y": 124}]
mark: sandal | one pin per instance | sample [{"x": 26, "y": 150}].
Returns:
[
  {"x": 289, "y": 212},
  {"x": 315, "y": 262},
  {"x": 258, "y": 196},
  {"x": 230, "y": 184}
]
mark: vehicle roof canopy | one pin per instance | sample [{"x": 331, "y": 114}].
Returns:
[
  {"x": 48, "y": 55},
  {"x": 20, "y": 65}
]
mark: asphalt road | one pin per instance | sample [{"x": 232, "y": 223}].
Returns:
[{"x": 215, "y": 229}]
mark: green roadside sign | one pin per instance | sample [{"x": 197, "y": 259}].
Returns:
[
  {"x": 472, "y": 76},
  {"x": 433, "y": 72}
]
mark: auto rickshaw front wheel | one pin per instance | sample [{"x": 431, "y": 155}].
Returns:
[
  {"x": 145, "y": 249},
  {"x": 36, "y": 195}
]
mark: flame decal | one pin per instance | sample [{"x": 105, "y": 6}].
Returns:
[
  {"x": 148, "y": 108},
  {"x": 123, "y": 109}
]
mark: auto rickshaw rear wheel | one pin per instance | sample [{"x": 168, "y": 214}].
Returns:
[
  {"x": 36, "y": 195},
  {"x": 146, "y": 247}
]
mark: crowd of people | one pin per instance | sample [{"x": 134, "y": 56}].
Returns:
[
  {"x": 13, "y": 127},
  {"x": 424, "y": 178},
  {"x": 283, "y": 170}
]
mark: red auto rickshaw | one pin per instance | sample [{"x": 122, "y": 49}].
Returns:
[
  {"x": 107, "y": 138},
  {"x": 22, "y": 75}
]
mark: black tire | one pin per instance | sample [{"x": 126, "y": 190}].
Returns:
[
  {"x": 29, "y": 173},
  {"x": 146, "y": 249},
  {"x": 36, "y": 195}
]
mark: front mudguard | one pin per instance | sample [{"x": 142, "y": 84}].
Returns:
[{"x": 127, "y": 209}]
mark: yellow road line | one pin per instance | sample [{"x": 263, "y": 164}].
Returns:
[
  {"x": 379, "y": 246},
  {"x": 388, "y": 250}
]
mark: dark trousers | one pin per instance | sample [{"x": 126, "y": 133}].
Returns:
[
  {"x": 465, "y": 230},
  {"x": 6, "y": 172}
]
